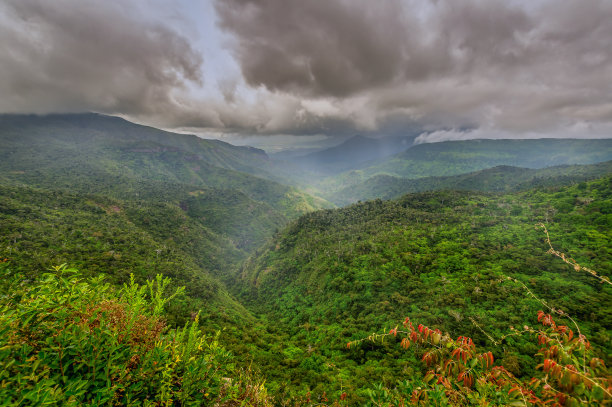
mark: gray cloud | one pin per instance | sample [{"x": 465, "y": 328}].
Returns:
[
  {"x": 320, "y": 66},
  {"x": 536, "y": 66},
  {"x": 66, "y": 55},
  {"x": 319, "y": 47}
]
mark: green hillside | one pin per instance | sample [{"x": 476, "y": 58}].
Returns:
[
  {"x": 119, "y": 238},
  {"x": 283, "y": 284},
  {"x": 460, "y": 157},
  {"x": 442, "y": 259},
  {"x": 102, "y": 154},
  {"x": 497, "y": 179},
  {"x": 86, "y": 132}
]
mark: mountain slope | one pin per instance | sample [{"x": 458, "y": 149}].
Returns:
[
  {"x": 102, "y": 154},
  {"x": 440, "y": 258},
  {"x": 104, "y": 235},
  {"x": 84, "y": 131},
  {"x": 497, "y": 179},
  {"x": 460, "y": 157}
]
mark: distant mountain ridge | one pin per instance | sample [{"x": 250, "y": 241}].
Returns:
[
  {"x": 111, "y": 130},
  {"x": 71, "y": 150},
  {"x": 461, "y": 157},
  {"x": 353, "y": 152},
  {"x": 502, "y": 178},
  {"x": 470, "y": 155}
]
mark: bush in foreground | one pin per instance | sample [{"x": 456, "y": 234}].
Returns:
[
  {"x": 69, "y": 341},
  {"x": 458, "y": 373}
]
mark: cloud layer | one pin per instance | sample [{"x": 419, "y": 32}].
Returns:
[
  {"x": 66, "y": 55},
  {"x": 513, "y": 67},
  {"x": 462, "y": 62}
]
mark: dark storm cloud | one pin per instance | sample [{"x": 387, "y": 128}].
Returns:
[
  {"x": 69, "y": 55},
  {"x": 316, "y": 47},
  {"x": 340, "y": 48},
  {"x": 521, "y": 66},
  {"x": 319, "y": 66}
]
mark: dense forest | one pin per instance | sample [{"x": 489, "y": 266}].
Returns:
[
  {"x": 443, "y": 258},
  {"x": 141, "y": 267}
]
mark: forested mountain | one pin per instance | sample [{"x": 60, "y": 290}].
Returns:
[
  {"x": 90, "y": 131},
  {"x": 441, "y": 258},
  {"x": 285, "y": 282},
  {"x": 460, "y": 157},
  {"x": 497, "y": 179},
  {"x": 346, "y": 203},
  {"x": 102, "y": 154},
  {"x": 115, "y": 197},
  {"x": 455, "y": 157}
]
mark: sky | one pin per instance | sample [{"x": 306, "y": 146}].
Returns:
[{"x": 248, "y": 69}]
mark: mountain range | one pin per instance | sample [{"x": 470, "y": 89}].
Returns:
[{"x": 283, "y": 267}]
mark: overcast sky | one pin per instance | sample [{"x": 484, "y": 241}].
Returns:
[{"x": 457, "y": 68}]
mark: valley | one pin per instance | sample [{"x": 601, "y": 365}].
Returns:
[
  {"x": 332, "y": 203},
  {"x": 445, "y": 233}
]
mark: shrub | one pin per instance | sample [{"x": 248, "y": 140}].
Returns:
[
  {"x": 69, "y": 341},
  {"x": 458, "y": 373}
]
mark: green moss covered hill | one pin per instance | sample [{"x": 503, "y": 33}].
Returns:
[
  {"x": 457, "y": 157},
  {"x": 94, "y": 153},
  {"x": 502, "y": 178}
]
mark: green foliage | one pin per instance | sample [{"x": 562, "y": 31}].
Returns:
[
  {"x": 458, "y": 373},
  {"x": 65, "y": 340},
  {"x": 498, "y": 179},
  {"x": 336, "y": 275},
  {"x": 461, "y": 157}
]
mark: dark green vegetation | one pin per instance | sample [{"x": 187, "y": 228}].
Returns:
[
  {"x": 286, "y": 285},
  {"x": 74, "y": 342},
  {"x": 441, "y": 258},
  {"x": 100, "y": 154},
  {"x": 497, "y": 179}
]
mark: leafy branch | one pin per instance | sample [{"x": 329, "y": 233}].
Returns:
[{"x": 570, "y": 260}]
